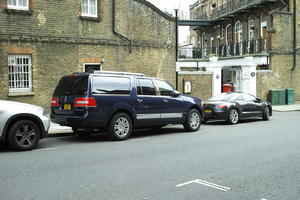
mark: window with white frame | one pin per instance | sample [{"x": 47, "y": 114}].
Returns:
[
  {"x": 19, "y": 73},
  {"x": 18, "y": 4},
  {"x": 89, "y": 8}
]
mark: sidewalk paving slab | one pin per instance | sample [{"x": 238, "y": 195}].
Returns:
[{"x": 286, "y": 108}]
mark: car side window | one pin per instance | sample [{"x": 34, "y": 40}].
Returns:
[
  {"x": 239, "y": 98},
  {"x": 111, "y": 85},
  {"x": 165, "y": 88},
  {"x": 248, "y": 97},
  {"x": 145, "y": 87}
]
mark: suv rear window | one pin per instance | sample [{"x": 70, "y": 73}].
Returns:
[
  {"x": 71, "y": 85},
  {"x": 111, "y": 85}
]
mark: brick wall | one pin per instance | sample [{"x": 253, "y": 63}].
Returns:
[
  {"x": 201, "y": 83},
  {"x": 60, "y": 42}
]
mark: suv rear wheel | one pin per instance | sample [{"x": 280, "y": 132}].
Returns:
[
  {"x": 120, "y": 126},
  {"x": 23, "y": 135},
  {"x": 193, "y": 121}
]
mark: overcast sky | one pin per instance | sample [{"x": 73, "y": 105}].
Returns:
[{"x": 169, "y": 6}]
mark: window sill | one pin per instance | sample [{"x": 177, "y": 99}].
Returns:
[
  {"x": 16, "y": 94},
  {"x": 16, "y": 11},
  {"x": 95, "y": 19}
]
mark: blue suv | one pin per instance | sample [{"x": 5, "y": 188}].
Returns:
[{"x": 119, "y": 102}]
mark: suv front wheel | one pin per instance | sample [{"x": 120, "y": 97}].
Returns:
[
  {"x": 120, "y": 126},
  {"x": 193, "y": 121}
]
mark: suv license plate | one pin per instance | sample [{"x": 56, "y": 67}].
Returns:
[
  {"x": 67, "y": 106},
  {"x": 208, "y": 111}
]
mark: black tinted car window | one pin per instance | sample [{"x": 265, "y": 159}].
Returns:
[
  {"x": 145, "y": 87},
  {"x": 165, "y": 89},
  {"x": 111, "y": 85},
  {"x": 72, "y": 85}
]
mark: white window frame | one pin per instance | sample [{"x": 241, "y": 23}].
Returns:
[
  {"x": 17, "y": 5},
  {"x": 89, "y": 8},
  {"x": 251, "y": 24},
  {"x": 19, "y": 73}
]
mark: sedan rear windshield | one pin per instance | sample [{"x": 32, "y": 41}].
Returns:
[{"x": 72, "y": 85}]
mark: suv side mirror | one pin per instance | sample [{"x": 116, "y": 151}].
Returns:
[{"x": 176, "y": 93}]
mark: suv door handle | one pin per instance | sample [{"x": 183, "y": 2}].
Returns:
[
  {"x": 139, "y": 100},
  {"x": 165, "y": 100}
]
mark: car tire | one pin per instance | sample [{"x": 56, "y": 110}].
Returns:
[
  {"x": 266, "y": 113},
  {"x": 233, "y": 116},
  {"x": 193, "y": 121},
  {"x": 120, "y": 127},
  {"x": 23, "y": 135},
  {"x": 80, "y": 133}
]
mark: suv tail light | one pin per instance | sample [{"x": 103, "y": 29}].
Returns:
[
  {"x": 85, "y": 102},
  {"x": 54, "y": 102}
]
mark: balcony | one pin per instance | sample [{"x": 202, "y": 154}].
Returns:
[
  {"x": 233, "y": 8},
  {"x": 252, "y": 47}
]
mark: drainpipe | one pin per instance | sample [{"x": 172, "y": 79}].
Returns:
[
  {"x": 176, "y": 44},
  {"x": 114, "y": 24},
  {"x": 294, "y": 35}
]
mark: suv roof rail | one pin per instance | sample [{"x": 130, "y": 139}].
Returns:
[{"x": 118, "y": 73}]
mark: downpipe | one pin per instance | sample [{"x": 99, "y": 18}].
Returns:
[{"x": 113, "y": 26}]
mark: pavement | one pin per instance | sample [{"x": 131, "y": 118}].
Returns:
[{"x": 56, "y": 129}]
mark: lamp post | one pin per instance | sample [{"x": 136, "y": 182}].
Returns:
[{"x": 176, "y": 45}]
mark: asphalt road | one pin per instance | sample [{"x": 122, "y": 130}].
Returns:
[{"x": 255, "y": 160}]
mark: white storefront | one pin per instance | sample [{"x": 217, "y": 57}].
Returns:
[{"x": 244, "y": 69}]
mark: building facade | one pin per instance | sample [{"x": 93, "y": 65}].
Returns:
[
  {"x": 42, "y": 40},
  {"x": 252, "y": 42}
]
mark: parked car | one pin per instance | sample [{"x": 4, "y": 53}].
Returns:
[
  {"x": 234, "y": 106},
  {"x": 119, "y": 102},
  {"x": 22, "y": 125}
]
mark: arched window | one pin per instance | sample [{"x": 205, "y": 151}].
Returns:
[
  {"x": 263, "y": 26},
  {"x": 238, "y": 32},
  {"x": 228, "y": 34},
  {"x": 251, "y": 26}
]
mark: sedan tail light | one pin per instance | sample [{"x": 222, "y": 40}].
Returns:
[
  {"x": 54, "y": 102},
  {"x": 85, "y": 102}
]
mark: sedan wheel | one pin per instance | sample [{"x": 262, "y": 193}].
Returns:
[
  {"x": 193, "y": 121},
  {"x": 266, "y": 114},
  {"x": 233, "y": 117},
  {"x": 23, "y": 135},
  {"x": 120, "y": 126}
]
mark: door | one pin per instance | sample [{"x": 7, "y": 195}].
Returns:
[
  {"x": 253, "y": 106},
  {"x": 172, "y": 107},
  {"x": 148, "y": 103}
]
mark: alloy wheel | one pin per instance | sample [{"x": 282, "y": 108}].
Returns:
[
  {"x": 233, "y": 116},
  {"x": 122, "y": 126},
  {"x": 26, "y": 135}
]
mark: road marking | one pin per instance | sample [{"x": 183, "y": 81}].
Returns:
[
  {"x": 140, "y": 139},
  {"x": 46, "y": 149},
  {"x": 205, "y": 183}
]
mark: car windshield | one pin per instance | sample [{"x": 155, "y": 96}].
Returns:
[
  {"x": 72, "y": 85},
  {"x": 225, "y": 97}
]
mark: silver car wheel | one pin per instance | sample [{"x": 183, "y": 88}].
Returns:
[
  {"x": 122, "y": 126},
  {"x": 194, "y": 120},
  {"x": 234, "y": 116}
]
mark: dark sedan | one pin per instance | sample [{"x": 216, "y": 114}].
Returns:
[{"x": 235, "y": 106}]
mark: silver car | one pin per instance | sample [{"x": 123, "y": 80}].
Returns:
[{"x": 22, "y": 125}]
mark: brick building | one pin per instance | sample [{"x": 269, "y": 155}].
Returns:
[
  {"x": 42, "y": 40},
  {"x": 253, "y": 42}
]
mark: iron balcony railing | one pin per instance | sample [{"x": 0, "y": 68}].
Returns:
[
  {"x": 231, "y": 49},
  {"x": 230, "y": 7}
]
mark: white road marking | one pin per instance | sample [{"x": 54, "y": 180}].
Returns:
[
  {"x": 140, "y": 139},
  {"x": 206, "y": 183},
  {"x": 46, "y": 149}
]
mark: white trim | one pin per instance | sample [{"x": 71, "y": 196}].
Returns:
[
  {"x": 159, "y": 116},
  {"x": 17, "y": 6},
  {"x": 89, "y": 14}
]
